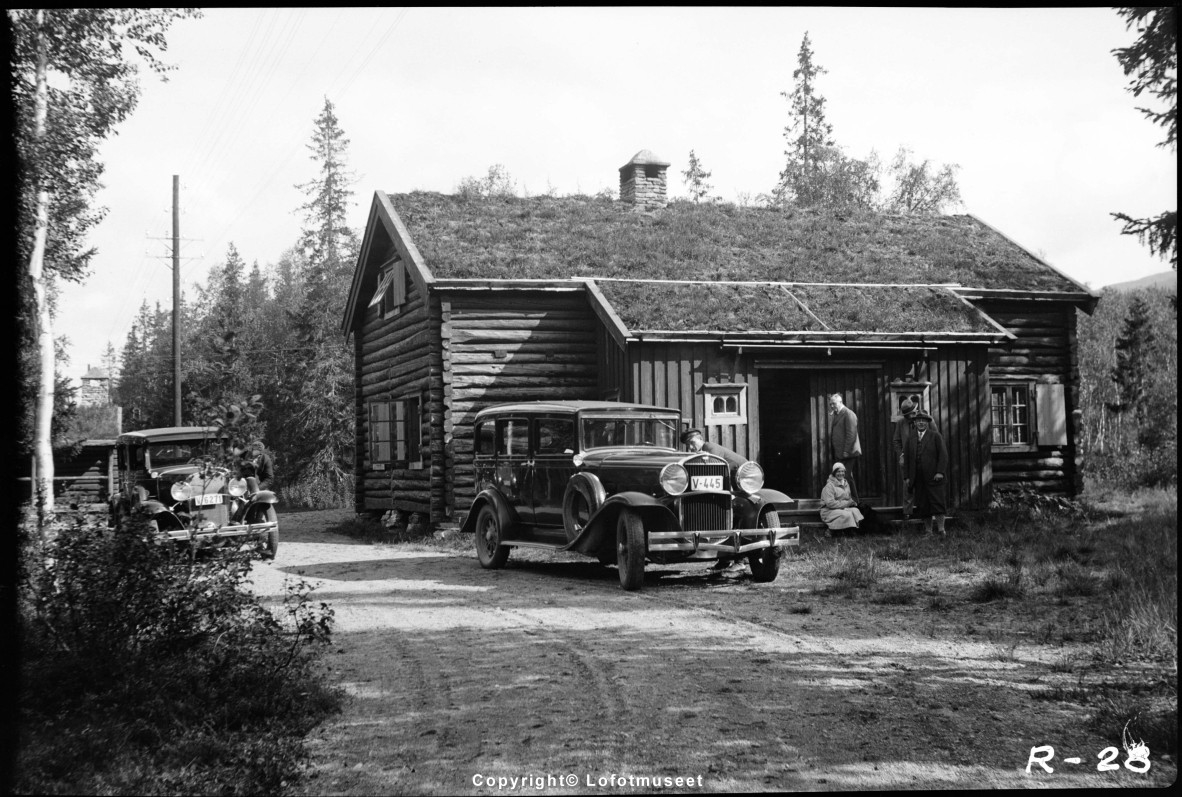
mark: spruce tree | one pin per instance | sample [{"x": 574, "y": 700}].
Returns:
[
  {"x": 695, "y": 177},
  {"x": 318, "y": 395},
  {"x": 809, "y": 135}
]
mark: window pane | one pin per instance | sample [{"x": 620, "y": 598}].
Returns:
[
  {"x": 555, "y": 435},
  {"x": 485, "y": 438}
]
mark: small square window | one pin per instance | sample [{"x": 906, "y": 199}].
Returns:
[{"x": 726, "y": 403}]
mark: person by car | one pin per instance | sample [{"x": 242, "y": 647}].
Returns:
[
  {"x": 254, "y": 461},
  {"x": 693, "y": 440}
]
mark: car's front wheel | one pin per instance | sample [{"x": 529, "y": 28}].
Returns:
[
  {"x": 489, "y": 551},
  {"x": 630, "y": 549},
  {"x": 765, "y": 563}
]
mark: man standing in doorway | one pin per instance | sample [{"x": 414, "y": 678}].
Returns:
[{"x": 843, "y": 438}]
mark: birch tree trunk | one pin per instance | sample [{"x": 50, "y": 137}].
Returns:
[{"x": 43, "y": 409}]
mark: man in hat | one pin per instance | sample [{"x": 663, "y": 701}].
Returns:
[
  {"x": 925, "y": 465},
  {"x": 904, "y": 428},
  {"x": 692, "y": 439}
]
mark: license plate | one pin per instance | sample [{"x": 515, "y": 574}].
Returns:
[
  {"x": 706, "y": 483},
  {"x": 210, "y": 499}
]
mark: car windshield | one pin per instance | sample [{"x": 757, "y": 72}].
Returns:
[
  {"x": 645, "y": 432},
  {"x": 175, "y": 453}
]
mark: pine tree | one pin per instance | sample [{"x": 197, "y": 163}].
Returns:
[{"x": 696, "y": 177}]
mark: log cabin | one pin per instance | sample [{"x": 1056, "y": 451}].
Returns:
[{"x": 744, "y": 318}]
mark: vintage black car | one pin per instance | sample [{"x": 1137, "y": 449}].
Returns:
[
  {"x": 172, "y": 474},
  {"x": 606, "y": 479}
]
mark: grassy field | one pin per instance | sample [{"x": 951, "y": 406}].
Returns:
[{"x": 1094, "y": 583}]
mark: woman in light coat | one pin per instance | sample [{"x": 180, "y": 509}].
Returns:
[{"x": 839, "y": 510}]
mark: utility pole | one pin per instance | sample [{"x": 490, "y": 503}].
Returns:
[{"x": 176, "y": 299}]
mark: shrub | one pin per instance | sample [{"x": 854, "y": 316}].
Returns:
[{"x": 147, "y": 670}]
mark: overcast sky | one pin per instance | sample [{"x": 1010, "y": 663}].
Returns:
[{"x": 1030, "y": 104}]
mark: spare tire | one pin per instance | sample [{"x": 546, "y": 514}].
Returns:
[{"x": 584, "y": 495}]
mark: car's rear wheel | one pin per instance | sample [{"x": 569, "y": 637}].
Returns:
[
  {"x": 765, "y": 563},
  {"x": 489, "y": 551},
  {"x": 630, "y": 549}
]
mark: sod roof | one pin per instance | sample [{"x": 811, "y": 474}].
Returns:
[
  {"x": 785, "y": 307},
  {"x": 561, "y": 237}
]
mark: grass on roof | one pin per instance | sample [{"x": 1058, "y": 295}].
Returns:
[
  {"x": 561, "y": 237},
  {"x": 727, "y": 307}
]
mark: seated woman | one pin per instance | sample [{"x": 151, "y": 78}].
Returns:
[{"x": 839, "y": 510}]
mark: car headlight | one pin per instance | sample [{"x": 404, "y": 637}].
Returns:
[
  {"x": 674, "y": 478},
  {"x": 181, "y": 491},
  {"x": 236, "y": 487},
  {"x": 749, "y": 477}
]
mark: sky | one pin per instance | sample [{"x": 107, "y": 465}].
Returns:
[{"x": 1030, "y": 104}]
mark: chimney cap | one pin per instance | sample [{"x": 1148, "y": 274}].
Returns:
[{"x": 644, "y": 158}]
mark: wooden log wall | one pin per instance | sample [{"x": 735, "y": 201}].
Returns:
[
  {"x": 1046, "y": 351},
  {"x": 508, "y": 347},
  {"x": 399, "y": 357},
  {"x": 87, "y": 476}
]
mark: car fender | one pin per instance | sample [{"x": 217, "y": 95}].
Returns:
[
  {"x": 779, "y": 499},
  {"x": 601, "y": 528},
  {"x": 505, "y": 513},
  {"x": 263, "y": 497},
  {"x": 153, "y": 508}
]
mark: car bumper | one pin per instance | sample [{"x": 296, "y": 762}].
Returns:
[
  {"x": 248, "y": 530},
  {"x": 732, "y": 541}
]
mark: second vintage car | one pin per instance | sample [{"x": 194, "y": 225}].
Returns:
[
  {"x": 606, "y": 479},
  {"x": 172, "y": 475}
]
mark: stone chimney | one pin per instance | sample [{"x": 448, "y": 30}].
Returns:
[{"x": 642, "y": 181}]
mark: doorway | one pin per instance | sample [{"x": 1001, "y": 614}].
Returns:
[
  {"x": 785, "y": 423},
  {"x": 794, "y": 427}
]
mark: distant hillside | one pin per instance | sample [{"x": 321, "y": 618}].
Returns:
[{"x": 1167, "y": 280}]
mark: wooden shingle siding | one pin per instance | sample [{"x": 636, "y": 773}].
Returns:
[
  {"x": 518, "y": 346},
  {"x": 1045, "y": 351}
]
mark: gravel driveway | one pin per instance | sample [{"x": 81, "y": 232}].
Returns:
[{"x": 546, "y": 677}]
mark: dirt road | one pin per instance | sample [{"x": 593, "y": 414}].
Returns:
[{"x": 549, "y": 676}]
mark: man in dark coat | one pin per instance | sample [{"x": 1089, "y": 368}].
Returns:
[
  {"x": 904, "y": 429},
  {"x": 694, "y": 441},
  {"x": 925, "y": 462},
  {"x": 843, "y": 438}
]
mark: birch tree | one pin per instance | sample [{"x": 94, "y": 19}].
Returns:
[{"x": 74, "y": 80}]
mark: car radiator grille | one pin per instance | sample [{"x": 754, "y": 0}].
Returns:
[{"x": 706, "y": 512}]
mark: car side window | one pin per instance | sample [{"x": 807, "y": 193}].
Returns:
[
  {"x": 555, "y": 436},
  {"x": 513, "y": 437},
  {"x": 486, "y": 439}
]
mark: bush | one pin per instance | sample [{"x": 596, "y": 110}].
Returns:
[{"x": 149, "y": 671}]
